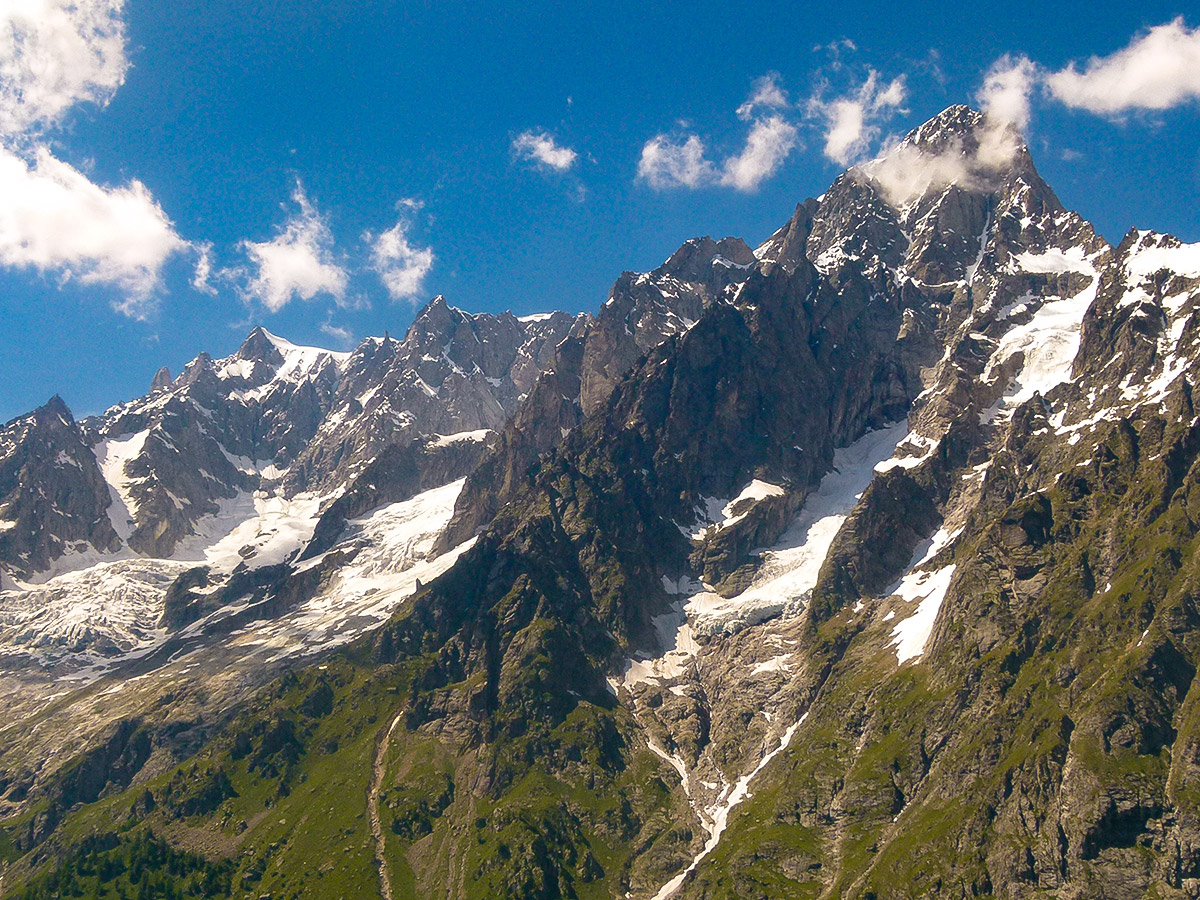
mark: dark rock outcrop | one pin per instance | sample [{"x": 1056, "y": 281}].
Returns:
[{"x": 53, "y": 497}]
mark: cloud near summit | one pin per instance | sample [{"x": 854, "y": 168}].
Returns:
[
  {"x": 400, "y": 266},
  {"x": 1158, "y": 69},
  {"x": 853, "y": 121}
]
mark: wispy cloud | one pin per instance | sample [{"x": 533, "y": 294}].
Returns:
[
  {"x": 767, "y": 146},
  {"x": 767, "y": 93},
  {"x": 1006, "y": 89},
  {"x": 836, "y": 51},
  {"x": 541, "y": 148},
  {"x": 1158, "y": 70},
  {"x": 343, "y": 336},
  {"x": 681, "y": 161},
  {"x": 853, "y": 121},
  {"x": 55, "y": 54},
  {"x": 298, "y": 262},
  {"x": 401, "y": 266},
  {"x": 203, "y": 271},
  {"x": 675, "y": 162}
]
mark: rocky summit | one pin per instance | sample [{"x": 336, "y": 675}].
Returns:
[{"x": 857, "y": 565}]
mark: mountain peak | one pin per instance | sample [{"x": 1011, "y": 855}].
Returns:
[
  {"x": 260, "y": 345},
  {"x": 435, "y": 306},
  {"x": 959, "y": 146},
  {"x": 693, "y": 261},
  {"x": 437, "y": 315},
  {"x": 958, "y": 121},
  {"x": 56, "y": 406},
  {"x": 162, "y": 379}
]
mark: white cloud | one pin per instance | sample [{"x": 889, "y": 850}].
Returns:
[
  {"x": 836, "y": 50},
  {"x": 907, "y": 171},
  {"x": 910, "y": 169},
  {"x": 297, "y": 262},
  {"x": 891, "y": 96},
  {"x": 541, "y": 147},
  {"x": 848, "y": 134},
  {"x": 845, "y": 44},
  {"x": 401, "y": 266},
  {"x": 767, "y": 146},
  {"x": 203, "y": 271},
  {"x": 1158, "y": 70},
  {"x": 54, "y": 54},
  {"x": 54, "y": 218},
  {"x": 344, "y": 336},
  {"x": 1006, "y": 89},
  {"x": 767, "y": 93},
  {"x": 668, "y": 163},
  {"x": 852, "y": 122}
]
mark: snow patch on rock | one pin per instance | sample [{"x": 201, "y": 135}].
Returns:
[
  {"x": 928, "y": 589},
  {"x": 112, "y": 456},
  {"x": 715, "y": 819},
  {"x": 392, "y": 562},
  {"x": 789, "y": 569}
]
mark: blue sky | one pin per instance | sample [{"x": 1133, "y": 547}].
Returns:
[{"x": 173, "y": 173}]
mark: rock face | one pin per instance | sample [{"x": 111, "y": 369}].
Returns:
[
  {"x": 275, "y": 417},
  {"x": 52, "y": 495},
  {"x": 454, "y": 372},
  {"x": 641, "y": 312},
  {"x": 398, "y": 473},
  {"x": 1013, "y": 339},
  {"x": 857, "y": 565},
  {"x": 221, "y": 429},
  {"x": 161, "y": 381}
]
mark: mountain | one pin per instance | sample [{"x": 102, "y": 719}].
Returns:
[
  {"x": 859, "y": 564},
  {"x": 52, "y": 493},
  {"x": 274, "y": 414},
  {"x": 453, "y": 373},
  {"x": 642, "y": 311}
]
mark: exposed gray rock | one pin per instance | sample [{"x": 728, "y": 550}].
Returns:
[
  {"x": 161, "y": 381},
  {"x": 53, "y": 497},
  {"x": 454, "y": 372}
]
